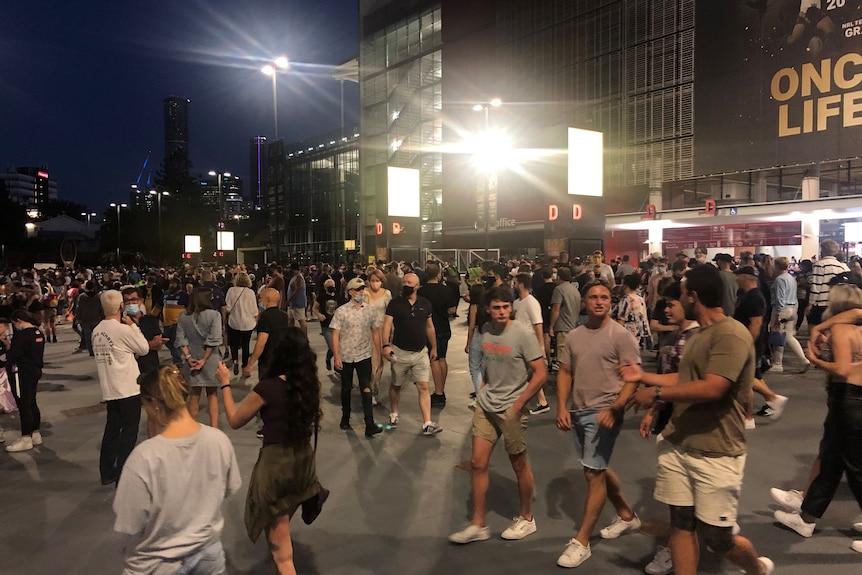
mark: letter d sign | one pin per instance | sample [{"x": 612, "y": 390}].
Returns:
[
  {"x": 553, "y": 212},
  {"x": 577, "y": 212}
]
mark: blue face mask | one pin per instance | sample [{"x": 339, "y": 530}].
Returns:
[
  {"x": 261, "y": 307},
  {"x": 133, "y": 309},
  {"x": 357, "y": 298}
]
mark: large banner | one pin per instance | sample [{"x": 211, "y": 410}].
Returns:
[{"x": 777, "y": 82}]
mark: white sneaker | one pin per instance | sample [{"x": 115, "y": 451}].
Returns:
[
  {"x": 431, "y": 429},
  {"x": 574, "y": 555},
  {"x": 749, "y": 424},
  {"x": 773, "y": 409},
  {"x": 768, "y": 565},
  {"x": 776, "y": 368},
  {"x": 22, "y": 444},
  {"x": 37, "y": 438},
  {"x": 857, "y": 527},
  {"x": 856, "y": 546},
  {"x": 790, "y": 499},
  {"x": 661, "y": 564},
  {"x": 519, "y": 528},
  {"x": 469, "y": 534},
  {"x": 620, "y": 526},
  {"x": 393, "y": 420},
  {"x": 794, "y": 521}
]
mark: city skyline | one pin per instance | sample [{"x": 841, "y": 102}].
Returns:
[{"x": 83, "y": 88}]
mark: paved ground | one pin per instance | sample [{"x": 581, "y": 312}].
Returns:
[{"x": 395, "y": 498}]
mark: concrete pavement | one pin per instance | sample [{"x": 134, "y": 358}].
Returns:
[{"x": 395, "y": 498}]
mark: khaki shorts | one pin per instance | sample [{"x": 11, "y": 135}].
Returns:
[
  {"x": 296, "y": 314},
  {"x": 410, "y": 367},
  {"x": 709, "y": 484},
  {"x": 560, "y": 343},
  {"x": 490, "y": 426}
]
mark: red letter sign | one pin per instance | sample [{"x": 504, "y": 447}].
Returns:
[
  {"x": 553, "y": 212},
  {"x": 577, "y": 212}
]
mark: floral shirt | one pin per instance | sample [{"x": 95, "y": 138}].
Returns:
[
  {"x": 631, "y": 309},
  {"x": 355, "y": 326}
]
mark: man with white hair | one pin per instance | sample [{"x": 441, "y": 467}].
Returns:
[{"x": 116, "y": 341}]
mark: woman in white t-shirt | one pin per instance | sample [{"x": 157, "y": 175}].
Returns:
[
  {"x": 241, "y": 306},
  {"x": 187, "y": 462}
]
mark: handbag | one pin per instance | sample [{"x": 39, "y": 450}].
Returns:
[{"x": 777, "y": 338}]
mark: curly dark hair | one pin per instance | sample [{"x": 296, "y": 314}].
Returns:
[{"x": 293, "y": 358}]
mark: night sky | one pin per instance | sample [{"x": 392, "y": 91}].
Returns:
[{"x": 82, "y": 83}]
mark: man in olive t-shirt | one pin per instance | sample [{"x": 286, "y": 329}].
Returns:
[{"x": 701, "y": 456}]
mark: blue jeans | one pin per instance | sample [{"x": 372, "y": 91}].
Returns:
[
  {"x": 474, "y": 358},
  {"x": 170, "y": 332},
  {"x": 207, "y": 561},
  {"x": 88, "y": 337}
]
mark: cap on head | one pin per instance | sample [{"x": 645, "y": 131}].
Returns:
[
  {"x": 747, "y": 270},
  {"x": 355, "y": 283}
]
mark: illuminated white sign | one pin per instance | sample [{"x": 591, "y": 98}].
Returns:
[
  {"x": 403, "y": 190},
  {"x": 586, "y": 171},
  {"x": 193, "y": 244},
  {"x": 853, "y": 232},
  {"x": 224, "y": 240}
]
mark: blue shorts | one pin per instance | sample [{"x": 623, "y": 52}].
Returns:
[{"x": 597, "y": 443}]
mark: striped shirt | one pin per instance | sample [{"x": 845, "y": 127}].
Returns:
[{"x": 824, "y": 270}]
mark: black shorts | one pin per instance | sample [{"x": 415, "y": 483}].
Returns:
[{"x": 442, "y": 346}]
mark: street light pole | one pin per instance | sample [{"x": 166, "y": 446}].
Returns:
[
  {"x": 495, "y": 102},
  {"x": 119, "y": 233}
]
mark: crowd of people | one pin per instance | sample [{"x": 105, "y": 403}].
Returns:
[{"x": 714, "y": 327}]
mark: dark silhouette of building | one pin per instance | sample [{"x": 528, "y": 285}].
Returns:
[{"x": 176, "y": 116}]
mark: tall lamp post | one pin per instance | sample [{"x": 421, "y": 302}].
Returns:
[
  {"x": 119, "y": 234},
  {"x": 159, "y": 208},
  {"x": 272, "y": 70},
  {"x": 494, "y": 103},
  {"x": 89, "y": 215},
  {"x": 219, "y": 182}
]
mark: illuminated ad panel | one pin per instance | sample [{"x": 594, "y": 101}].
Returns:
[
  {"x": 777, "y": 83},
  {"x": 586, "y": 172},
  {"x": 224, "y": 241},
  {"x": 853, "y": 232},
  {"x": 193, "y": 244},
  {"x": 403, "y": 192}
]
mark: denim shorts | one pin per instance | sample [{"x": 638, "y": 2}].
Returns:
[{"x": 597, "y": 443}]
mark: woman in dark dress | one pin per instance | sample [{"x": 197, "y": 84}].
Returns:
[{"x": 284, "y": 476}]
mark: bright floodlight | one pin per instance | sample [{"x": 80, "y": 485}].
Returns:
[
  {"x": 586, "y": 172},
  {"x": 268, "y": 70},
  {"x": 192, "y": 244},
  {"x": 212, "y": 173},
  {"x": 478, "y": 108},
  {"x": 224, "y": 241},
  {"x": 491, "y": 151},
  {"x": 496, "y": 102},
  {"x": 226, "y": 174},
  {"x": 281, "y": 62}
]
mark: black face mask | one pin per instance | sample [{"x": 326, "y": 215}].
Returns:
[
  {"x": 330, "y": 290},
  {"x": 488, "y": 281},
  {"x": 407, "y": 291}
]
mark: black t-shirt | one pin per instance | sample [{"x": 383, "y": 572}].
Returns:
[
  {"x": 272, "y": 390},
  {"x": 273, "y": 322},
  {"x": 477, "y": 298},
  {"x": 442, "y": 298},
  {"x": 544, "y": 295},
  {"x": 409, "y": 322},
  {"x": 327, "y": 304},
  {"x": 149, "y": 325},
  {"x": 749, "y": 305},
  {"x": 582, "y": 281}
]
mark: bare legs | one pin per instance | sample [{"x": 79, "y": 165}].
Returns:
[{"x": 280, "y": 544}]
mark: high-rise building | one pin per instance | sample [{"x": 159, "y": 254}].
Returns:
[
  {"x": 228, "y": 200},
  {"x": 257, "y": 169},
  {"x": 176, "y": 117},
  {"x": 30, "y": 187}
]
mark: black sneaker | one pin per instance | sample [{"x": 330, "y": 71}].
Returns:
[
  {"x": 371, "y": 431},
  {"x": 328, "y": 364},
  {"x": 438, "y": 400},
  {"x": 540, "y": 409},
  {"x": 345, "y": 424}
]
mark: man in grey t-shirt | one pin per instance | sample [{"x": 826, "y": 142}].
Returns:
[
  {"x": 565, "y": 307},
  {"x": 514, "y": 370},
  {"x": 591, "y": 355}
]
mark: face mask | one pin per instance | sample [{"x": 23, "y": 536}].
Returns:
[
  {"x": 330, "y": 290},
  {"x": 662, "y": 270},
  {"x": 358, "y": 298},
  {"x": 554, "y": 276},
  {"x": 261, "y": 307},
  {"x": 133, "y": 309},
  {"x": 488, "y": 281},
  {"x": 407, "y": 291}
]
